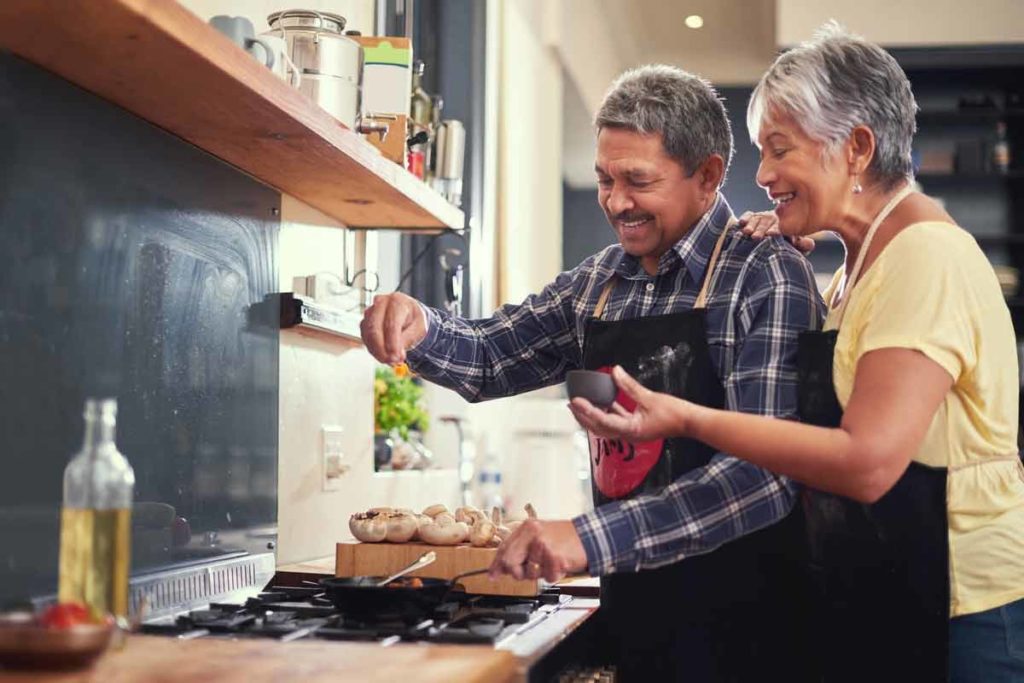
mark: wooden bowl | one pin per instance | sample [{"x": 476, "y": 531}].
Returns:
[{"x": 25, "y": 644}]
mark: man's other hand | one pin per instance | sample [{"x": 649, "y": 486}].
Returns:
[
  {"x": 394, "y": 323},
  {"x": 548, "y": 549}
]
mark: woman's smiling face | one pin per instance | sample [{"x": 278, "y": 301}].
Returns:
[{"x": 810, "y": 187}]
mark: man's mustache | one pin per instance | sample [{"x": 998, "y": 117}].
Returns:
[{"x": 631, "y": 217}]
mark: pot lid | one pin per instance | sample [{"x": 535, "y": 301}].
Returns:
[{"x": 307, "y": 19}]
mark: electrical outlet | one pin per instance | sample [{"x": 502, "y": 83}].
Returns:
[{"x": 333, "y": 457}]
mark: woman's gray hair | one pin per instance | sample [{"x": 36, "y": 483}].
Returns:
[
  {"x": 684, "y": 108},
  {"x": 836, "y": 82}
]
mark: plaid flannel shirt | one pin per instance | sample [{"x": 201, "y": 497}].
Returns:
[{"x": 762, "y": 295}]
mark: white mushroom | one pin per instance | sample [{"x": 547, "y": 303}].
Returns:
[
  {"x": 435, "y": 510},
  {"x": 501, "y": 532},
  {"x": 420, "y": 521},
  {"x": 482, "y": 532},
  {"x": 444, "y": 534},
  {"x": 505, "y": 530},
  {"x": 401, "y": 526},
  {"x": 369, "y": 527},
  {"x": 445, "y": 519},
  {"x": 469, "y": 514}
]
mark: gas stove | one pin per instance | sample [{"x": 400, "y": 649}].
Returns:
[{"x": 287, "y": 613}]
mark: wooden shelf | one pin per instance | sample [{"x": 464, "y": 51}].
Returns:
[{"x": 161, "y": 62}]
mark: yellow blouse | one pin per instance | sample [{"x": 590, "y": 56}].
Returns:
[{"x": 932, "y": 290}]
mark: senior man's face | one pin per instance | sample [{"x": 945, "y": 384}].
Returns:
[
  {"x": 807, "y": 186},
  {"x": 646, "y": 194}
]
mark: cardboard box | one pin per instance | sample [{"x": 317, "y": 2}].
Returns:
[{"x": 387, "y": 84}]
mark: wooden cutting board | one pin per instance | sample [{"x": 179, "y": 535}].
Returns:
[{"x": 381, "y": 559}]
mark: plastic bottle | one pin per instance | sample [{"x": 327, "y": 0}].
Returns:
[
  {"x": 95, "y": 525},
  {"x": 490, "y": 483},
  {"x": 420, "y": 115}
]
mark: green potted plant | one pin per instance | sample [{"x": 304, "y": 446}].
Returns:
[{"x": 397, "y": 410}]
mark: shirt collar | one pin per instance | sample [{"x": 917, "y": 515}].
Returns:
[{"x": 693, "y": 251}]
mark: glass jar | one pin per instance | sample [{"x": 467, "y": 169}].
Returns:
[{"x": 95, "y": 526}]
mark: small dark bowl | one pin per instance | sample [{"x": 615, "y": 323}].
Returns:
[
  {"x": 25, "y": 644},
  {"x": 597, "y": 387}
]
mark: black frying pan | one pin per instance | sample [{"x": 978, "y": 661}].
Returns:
[{"x": 361, "y": 596}]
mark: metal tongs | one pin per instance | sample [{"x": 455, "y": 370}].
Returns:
[{"x": 422, "y": 561}]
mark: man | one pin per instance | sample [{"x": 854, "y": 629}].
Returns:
[{"x": 692, "y": 308}]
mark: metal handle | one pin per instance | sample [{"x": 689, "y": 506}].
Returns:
[
  {"x": 300, "y": 13},
  {"x": 422, "y": 561},
  {"x": 293, "y": 13},
  {"x": 269, "y": 61},
  {"x": 465, "y": 575},
  {"x": 380, "y": 129}
]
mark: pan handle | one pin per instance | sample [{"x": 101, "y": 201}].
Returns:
[{"x": 464, "y": 575}]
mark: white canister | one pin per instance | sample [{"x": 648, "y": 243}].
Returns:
[{"x": 330, "y": 63}]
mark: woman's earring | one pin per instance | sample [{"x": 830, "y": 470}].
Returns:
[{"x": 857, "y": 189}]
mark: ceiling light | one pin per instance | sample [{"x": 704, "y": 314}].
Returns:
[{"x": 694, "y": 21}]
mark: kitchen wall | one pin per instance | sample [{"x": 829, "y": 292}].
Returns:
[
  {"x": 529, "y": 151},
  {"x": 133, "y": 266},
  {"x": 529, "y": 438},
  {"x": 326, "y": 381}
]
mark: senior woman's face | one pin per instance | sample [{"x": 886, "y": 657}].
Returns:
[{"x": 807, "y": 187}]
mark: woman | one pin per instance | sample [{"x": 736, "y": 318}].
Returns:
[{"x": 915, "y": 492}]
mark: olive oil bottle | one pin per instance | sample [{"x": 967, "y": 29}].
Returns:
[{"x": 95, "y": 525}]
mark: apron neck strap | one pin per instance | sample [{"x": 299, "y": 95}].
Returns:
[
  {"x": 602, "y": 300},
  {"x": 850, "y": 279},
  {"x": 605, "y": 293},
  {"x": 705, "y": 286}
]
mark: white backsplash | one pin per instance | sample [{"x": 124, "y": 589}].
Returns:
[{"x": 327, "y": 381}]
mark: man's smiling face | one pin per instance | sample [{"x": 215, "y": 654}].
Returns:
[{"x": 647, "y": 195}]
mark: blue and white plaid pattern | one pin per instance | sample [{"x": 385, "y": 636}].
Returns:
[{"x": 762, "y": 295}]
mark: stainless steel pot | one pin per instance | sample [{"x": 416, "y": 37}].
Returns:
[
  {"x": 339, "y": 96},
  {"x": 331, "y": 64}
]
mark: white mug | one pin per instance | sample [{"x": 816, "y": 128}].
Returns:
[{"x": 240, "y": 31}]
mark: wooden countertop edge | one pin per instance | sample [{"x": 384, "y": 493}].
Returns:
[{"x": 170, "y": 660}]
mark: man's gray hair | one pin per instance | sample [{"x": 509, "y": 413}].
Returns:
[
  {"x": 836, "y": 82},
  {"x": 684, "y": 108}
]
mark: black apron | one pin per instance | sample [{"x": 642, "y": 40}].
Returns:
[
  {"x": 880, "y": 571},
  {"x": 734, "y": 614}
]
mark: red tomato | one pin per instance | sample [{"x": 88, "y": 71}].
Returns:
[{"x": 65, "y": 615}]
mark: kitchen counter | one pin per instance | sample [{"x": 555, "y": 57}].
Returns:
[{"x": 169, "y": 660}]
